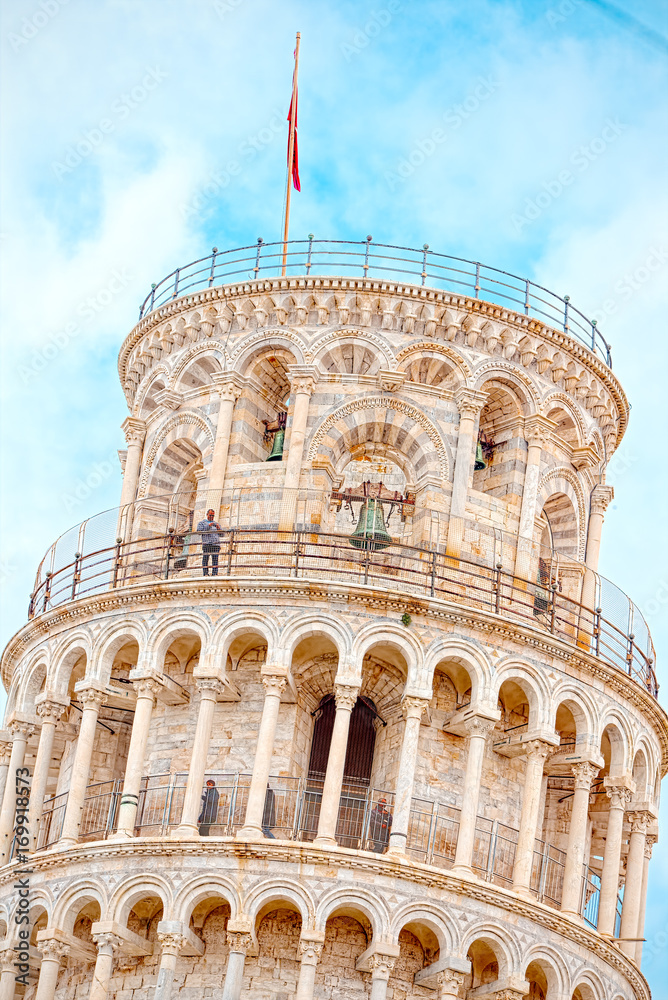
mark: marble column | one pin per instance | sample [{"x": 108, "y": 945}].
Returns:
[
  {"x": 147, "y": 690},
  {"x": 274, "y": 684},
  {"x": 450, "y": 984},
  {"x": 470, "y": 403},
  {"x": 536, "y": 753},
  {"x": 239, "y": 942},
  {"x": 50, "y": 713},
  {"x": 21, "y": 733},
  {"x": 209, "y": 689},
  {"x": 170, "y": 944},
  {"x": 107, "y": 946},
  {"x": 5, "y": 755},
  {"x": 650, "y": 841},
  {"x": 135, "y": 432},
  {"x": 381, "y": 969},
  {"x": 478, "y": 729},
  {"x": 310, "y": 952},
  {"x": 620, "y": 796},
  {"x": 599, "y": 500},
  {"x": 571, "y": 898},
  {"x": 346, "y": 696},
  {"x": 413, "y": 709},
  {"x": 230, "y": 387},
  {"x": 635, "y": 863},
  {"x": 92, "y": 698},
  {"x": 7, "y": 974},
  {"x": 303, "y": 379},
  {"x": 537, "y": 431},
  {"x": 53, "y": 952}
]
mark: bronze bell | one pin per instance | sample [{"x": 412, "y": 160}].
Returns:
[
  {"x": 480, "y": 462},
  {"x": 276, "y": 454},
  {"x": 371, "y": 532}
]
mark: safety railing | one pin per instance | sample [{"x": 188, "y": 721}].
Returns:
[
  {"x": 292, "y": 810},
  {"x": 423, "y": 572},
  {"x": 369, "y": 260}
]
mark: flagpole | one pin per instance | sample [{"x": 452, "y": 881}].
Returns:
[{"x": 291, "y": 149}]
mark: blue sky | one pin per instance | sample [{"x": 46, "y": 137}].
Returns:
[{"x": 182, "y": 103}]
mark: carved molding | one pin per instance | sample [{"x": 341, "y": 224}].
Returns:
[{"x": 178, "y": 420}]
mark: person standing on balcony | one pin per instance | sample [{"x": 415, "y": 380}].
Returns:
[
  {"x": 269, "y": 814},
  {"x": 380, "y": 824},
  {"x": 209, "y": 531},
  {"x": 209, "y": 811}
]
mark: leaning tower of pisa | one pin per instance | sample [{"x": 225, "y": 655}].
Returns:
[{"x": 335, "y": 704}]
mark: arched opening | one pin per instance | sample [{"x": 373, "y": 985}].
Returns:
[
  {"x": 208, "y": 921},
  {"x": 431, "y": 368},
  {"x": 348, "y": 934},
  {"x": 502, "y": 451},
  {"x": 257, "y": 411},
  {"x": 484, "y": 963},
  {"x": 278, "y": 929},
  {"x": 83, "y": 955},
  {"x": 198, "y": 372},
  {"x": 537, "y": 980},
  {"x": 143, "y": 919}
]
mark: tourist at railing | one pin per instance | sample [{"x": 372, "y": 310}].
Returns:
[
  {"x": 269, "y": 814},
  {"x": 380, "y": 824},
  {"x": 209, "y": 530},
  {"x": 209, "y": 811}
]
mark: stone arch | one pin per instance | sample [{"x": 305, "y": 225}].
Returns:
[
  {"x": 643, "y": 746},
  {"x": 65, "y": 658},
  {"x": 132, "y": 890},
  {"x": 640, "y": 772},
  {"x": 532, "y": 684},
  {"x": 561, "y": 402},
  {"x": 264, "y": 341},
  {"x": 303, "y": 626},
  {"x": 405, "y": 435},
  {"x": 237, "y": 625},
  {"x": 469, "y": 657},
  {"x": 565, "y": 482},
  {"x": 498, "y": 939},
  {"x": 431, "y": 917},
  {"x": 460, "y": 370},
  {"x": 32, "y": 681},
  {"x": 588, "y": 984},
  {"x": 552, "y": 965},
  {"x": 156, "y": 380},
  {"x": 509, "y": 377},
  {"x": 352, "y": 352},
  {"x": 615, "y": 728},
  {"x": 73, "y": 900},
  {"x": 190, "y": 431},
  {"x": 111, "y": 641},
  {"x": 197, "y": 366},
  {"x": 580, "y": 704},
  {"x": 373, "y": 908},
  {"x": 284, "y": 891},
  {"x": 176, "y": 626},
  {"x": 373, "y": 635},
  {"x": 196, "y": 890}
]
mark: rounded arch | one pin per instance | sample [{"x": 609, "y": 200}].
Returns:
[
  {"x": 156, "y": 380},
  {"x": 176, "y": 626},
  {"x": 531, "y": 681},
  {"x": 135, "y": 888},
  {"x": 614, "y": 729},
  {"x": 589, "y": 985},
  {"x": 580, "y": 704},
  {"x": 32, "y": 681},
  {"x": 640, "y": 773},
  {"x": 236, "y": 626},
  {"x": 413, "y": 915},
  {"x": 352, "y": 352},
  {"x": 73, "y": 900},
  {"x": 384, "y": 634},
  {"x": 195, "y": 890},
  {"x": 564, "y": 482},
  {"x": 305, "y": 626},
  {"x": 505, "y": 376},
  {"x": 498, "y": 938},
  {"x": 561, "y": 402},
  {"x": 406, "y": 436},
  {"x": 193, "y": 435},
  {"x": 553, "y": 966},
  {"x": 197, "y": 366},
  {"x": 460, "y": 370},
  {"x": 472, "y": 659},
  {"x": 64, "y": 659},
  {"x": 371, "y": 906},
  {"x": 265, "y": 341},
  {"x": 287, "y": 891},
  {"x": 111, "y": 641}
]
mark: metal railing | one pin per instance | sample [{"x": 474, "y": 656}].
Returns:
[
  {"x": 295, "y": 809},
  {"x": 422, "y": 572},
  {"x": 369, "y": 260}
]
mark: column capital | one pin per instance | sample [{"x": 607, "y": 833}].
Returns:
[
  {"x": 310, "y": 951},
  {"x": 147, "y": 687},
  {"x": 537, "y": 429},
  {"x": 210, "y": 687},
  {"x": 106, "y": 941},
  {"x": 619, "y": 793},
  {"x": 453, "y": 980},
  {"x": 414, "y": 707},
  {"x": 345, "y": 696},
  {"x": 20, "y": 729},
  {"x": 134, "y": 430},
  {"x": 584, "y": 773},
  {"x": 640, "y": 819},
  {"x": 239, "y": 941},
  {"x": 538, "y": 750},
  {"x": 7, "y": 958},
  {"x": 303, "y": 378},
  {"x": 600, "y": 498},
  {"x": 469, "y": 401},
  {"x": 380, "y": 965},
  {"x": 50, "y": 709},
  {"x": 229, "y": 385},
  {"x": 650, "y": 841},
  {"x": 53, "y": 949},
  {"x": 171, "y": 942},
  {"x": 274, "y": 684},
  {"x": 478, "y": 725}
]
